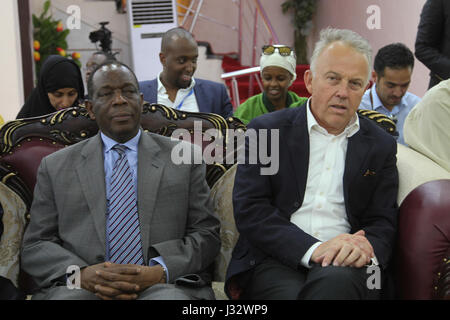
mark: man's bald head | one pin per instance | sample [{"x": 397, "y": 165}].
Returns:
[
  {"x": 178, "y": 56},
  {"x": 171, "y": 36}
]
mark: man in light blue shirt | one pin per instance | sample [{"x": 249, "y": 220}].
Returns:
[{"x": 393, "y": 68}]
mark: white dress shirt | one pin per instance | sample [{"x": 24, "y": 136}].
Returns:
[
  {"x": 322, "y": 214},
  {"x": 185, "y": 99}
]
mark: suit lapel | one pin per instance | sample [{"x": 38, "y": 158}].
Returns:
[
  {"x": 198, "y": 91},
  {"x": 92, "y": 175},
  {"x": 298, "y": 146},
  {"x": 150, "y": 169}
]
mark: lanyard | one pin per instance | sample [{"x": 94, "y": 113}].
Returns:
[
  {"x": 371, "y": 98},
  {"x": 182, "y": 101}
]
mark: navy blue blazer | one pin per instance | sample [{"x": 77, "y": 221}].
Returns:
[
  {"x": 263, "y": 204},
  {"x": 211, "y": 96}
]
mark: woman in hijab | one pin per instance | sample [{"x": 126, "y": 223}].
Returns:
[
  {"x": 60, "y": 86},
  {"x": 278, "y": 72}
]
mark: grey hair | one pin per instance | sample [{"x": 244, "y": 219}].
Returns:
[{"x": 348, "y": 37}]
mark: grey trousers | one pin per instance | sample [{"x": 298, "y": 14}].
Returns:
[
  {"x": 272, "y": 280},
  {"x": 156, "y": 292}
]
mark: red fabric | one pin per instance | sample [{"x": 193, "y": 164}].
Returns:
[
  {"x": 27, "y": 157},
  {"x": 234, "y": 290},
  {"x": 424, "y": 239}
]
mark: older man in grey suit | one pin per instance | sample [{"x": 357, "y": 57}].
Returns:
[{"x": 137, "y": 225}]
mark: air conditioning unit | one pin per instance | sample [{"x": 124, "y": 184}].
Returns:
[{"x": 148, "y": 21}]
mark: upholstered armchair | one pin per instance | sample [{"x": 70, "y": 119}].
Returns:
[
  {"x": 422, "y": 255},
  {"x": 23, "y": 143}
]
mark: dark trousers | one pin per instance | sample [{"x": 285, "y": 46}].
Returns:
[
  {"x": 272, "y": 280},
  {"x": 8, "y": 291}
]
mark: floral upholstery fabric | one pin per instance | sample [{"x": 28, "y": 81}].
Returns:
[
  {"x": 221, "y": 195},
  {"x": 14, "y": 222}
]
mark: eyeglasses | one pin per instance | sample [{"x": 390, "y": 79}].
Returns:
[{"x": 282, "y": 50}]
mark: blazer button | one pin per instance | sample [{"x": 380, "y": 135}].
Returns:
[
  {"x": 252, "y": 262},
  {"x": 296, "y": 204},
  {"x": 100, "y": 258}
]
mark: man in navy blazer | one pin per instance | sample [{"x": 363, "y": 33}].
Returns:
[
  {"x": 176, "y": 87},
  {"x": 323, "y": 226}
]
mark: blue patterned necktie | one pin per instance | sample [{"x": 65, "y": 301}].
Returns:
[{"x": 123, "y": 219}]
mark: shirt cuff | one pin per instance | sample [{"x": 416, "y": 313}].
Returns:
[
  {"x": 307, "y": 256},
  {"x": 159, "y": 260}
]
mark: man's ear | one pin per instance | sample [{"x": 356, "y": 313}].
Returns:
[
  {"x": 88, "y": 105},
  {"x": 374, "y": 76},
  {"x": 308, "y": 77},
  {"x": 162, "y": 58}
]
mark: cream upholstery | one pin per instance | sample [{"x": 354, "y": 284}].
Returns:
[
  {"x": 221, "y": 195},
  {"x": 13, "y": 228},
  {"x": 415, "y": 169}
]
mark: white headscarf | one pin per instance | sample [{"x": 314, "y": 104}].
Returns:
[{"x": 288, "y": 63}]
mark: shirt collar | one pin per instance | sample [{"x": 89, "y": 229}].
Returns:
[
  {"x": 351, "y": 128},
  {"x": 131, "y": 144},
  {"x": 162, "y": 89}
]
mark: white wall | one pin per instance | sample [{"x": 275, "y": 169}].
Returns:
[
  {"x": 399, "y": 20},
  {"x": 209, "y": 69},
  {"x": 11, "y": 84},
  {"x": 224, "y": 39},
  {"x": 92, "y": 12}
]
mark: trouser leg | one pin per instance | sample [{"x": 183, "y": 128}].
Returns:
[
  {"x": 272, "y": 280},
  {"x": 338, "y": 283},
  {"x": 64, "y": 293},
  {"x": 174, "y": 292}
]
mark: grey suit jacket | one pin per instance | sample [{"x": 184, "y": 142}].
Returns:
[{"x": 68, "y": 214}]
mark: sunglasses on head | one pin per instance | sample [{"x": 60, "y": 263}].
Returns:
[{"x": 282, "y": 50}]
